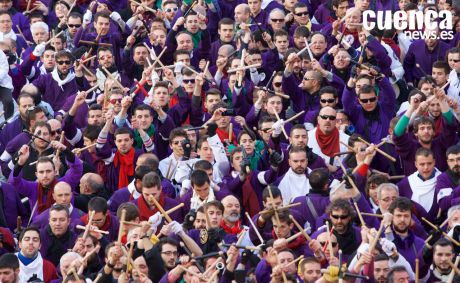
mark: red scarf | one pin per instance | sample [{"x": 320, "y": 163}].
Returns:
[
  {"x": 250, "y": 200},
  {"x": 99, "y": 164},
  {"x": 144, "y": 210},
  {"x": 126, "y": 168},
  {"x": 235, "y": 230},
  {"x": 329, "y": 144},
  {"x": 294, "y": 244},
  {"x": 105, "y": 227},
  {"x": 223, "y": 135},
  {"x": 44, "y": 205}
]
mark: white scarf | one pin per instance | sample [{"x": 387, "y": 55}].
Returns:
[
  {"x": 294, "y": 185},
  {"x": 10, "y": 35},
  {"x": 70, "y": 76},
  {"x": 423, "y": 191},
  {"x": 196, "y": 202},
  {"x": 27, "y": 271},
  {"x": 132, "y": 190},
  {"x": 101, "y": 78}
]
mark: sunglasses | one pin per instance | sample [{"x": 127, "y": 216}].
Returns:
[
  {"x": 67, "y": 62},
  {"x": 325, "y": 117},
  {"x": 115, "y": 100},
  {"x": 190, "y": 81},
  {"x": 332, "y": 100},
  {"x": 277, "y": 20},
  {"x": 74, "y": 26},
  {"x": 56, "y": 132},
  {"x": 369, "y": 100},
  {"x": 176, "y": 142},
  {"x": 301, "y": 14},
  {"x": 277, "y": 84},
  {"x": 343, "y": 217},
  {"x": 169, "y": 10},
  {"x": 324, "y": 243}
]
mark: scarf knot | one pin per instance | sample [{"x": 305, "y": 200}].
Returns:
[
  {"x": 329, "y": 144},
  {"x": 144, "y": 209},
  {"x": 235, "y": 230},
  {"x": 45, "y": 196},
  {"x": 126, "y": 167}
]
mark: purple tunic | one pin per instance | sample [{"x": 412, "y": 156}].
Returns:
[
  {"x": 446, "y": 199},
  {"x": 81, "y": 116},
  {"x": 53, "y": 248},
  {"x": 52, "y": 93},
  {"x": 12, "y": 206},
  {"x": 405, "y": 190}
]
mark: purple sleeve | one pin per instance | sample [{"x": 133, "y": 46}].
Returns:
[
  {"x": 24, "y": 187},
  {"x": 251, "y": 118},
  {"x": 443, "y": 182},
  {"x": 349, "y": 103},
  {"x": 449, "y": 135},
  {"x": 404, "y": 145},
  {"x": 73, "y": 175},
  {"x": 40, "y": 83},
  {"x": 388, "y": 97},
  {"x": 380, "y": 55},
  {"x": 409, "y": 63},
  {"x": 263, "y": 271},
  {"x": 296, "y": 94}
]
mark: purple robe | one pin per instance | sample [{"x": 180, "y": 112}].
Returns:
[
  {"x": 22, "y": 21},
  {"x": 113, "y": 226},
  {"x": 112, "y": 172},
  {"x": 53, "y": 248},
  {"x": 52, "y": 92},
  {"x": 323, "y": 15},
  {"x": 409, "y": 246},
  {"x": 447, "y": 192},
  {"x": 81, "y": 116},
  {"x": 405, "y": 190},
  {"x": 12, "y": 206},
  {"x": 318, "y": 207},
  {"x": 10, "y": 131}
]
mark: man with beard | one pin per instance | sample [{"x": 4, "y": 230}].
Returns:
[
  {"x": 397, "y": 230},
  {"x": 232, "y": 223},
  {"x": 436, "y": 264},
  {"x": 60, "y": 83},
  {"x": 309, "y": 270},
  {"x": 407, "y": 145},
  {"x": 9, "y": 268},
  {"x": 447, "y": 184},
  {"x": 348, "y": 236},
  {"x": 30, "y": 260},
  {"x": 133, "y": 64},
  {"x": 106, "y": 60},
  {"x": 420, "y": 185}
]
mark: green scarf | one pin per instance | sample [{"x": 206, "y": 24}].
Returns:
[
  {"x": 254, "y": 158},
  {"x": 196, "y": 38},
  {"x": 138, "y": 143}
]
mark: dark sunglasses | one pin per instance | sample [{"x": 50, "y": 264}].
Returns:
[
  {"x": 325, "y": 117},
  {"x": 277, "y": 84},
  {"x": 74, "y": 26},
  {"x": 67, "y": 62},
  {"x": 56, "y": 132},
  {"x": 343, "y": 217},
  {"x": 300, "y": 14},
  {"x": 169, "y": 10},
  {"x": 115, "y": 100},
  {"x": 190, "y": 81},
  {"x": 332, "y": 100},
  {"x": 277, "y": 20},
  {"x": 369, "y": 100},
  {"x": 324, "y": 243}
]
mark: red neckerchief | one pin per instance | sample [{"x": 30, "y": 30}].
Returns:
[
  {"x": 126, "y": 169},
  {"x": 144, "y": 209},
  {"x": 44, "y": 205},
  {"x": 105, "y": 227},
  {"x": 235, "y": 230},
  {"x": 250, "y": 200},
  {"x": 223, "y": 135},
  {"x": 329, "y": 144},
  {"x": 99, "y": 164},
  {"x": 294, "y": 244}
]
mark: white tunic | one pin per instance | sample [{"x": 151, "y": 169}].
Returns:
[{"x": 313, "y": 144}]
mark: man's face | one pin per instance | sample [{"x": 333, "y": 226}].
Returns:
[
  {"x": 301, "y": 16},
  {"x": 148, "y": 193},
  {"x": 124, "y": 143},
  {"x": 211, "y": 100},
  {"x": 202, "y": 191},
  {"x": 434, "y": 108},
  {"x": 453, "y": 160},
  {"x": 232, "y": 209},
  {"x": 284, "y": 258},
  {"x": 360, "y": 83},
  {"x": 425, "y": 133},
  {"x": 24, "y": 104},
  {"x": 381, "y": 269},
  {"x": 200, "y": 221},
  {"x": 401, "y": 220},
  {"x": 255, "y": 6},
  {"x": 425, "y": 165},
  {"x": 169, "y": 255},
  {"x": 6, "y": 23},
  {"x": 368, "y": 101},
  {"x": 95, "y": 118},
  {"x": 189, "y": 83},
  {"x": 8, "y": 275},
  {"x": 99, "y": 219},
  {"x": 160, "y": 34},
  {"x": 431, "y": 43},
  {"x": 309, "y": 81},
  {"x": 5, "y": 5},
  {"x": 387, "y": 197},
  {"x": 102, "y": 25},
  {"x": 341, "y": 60},
  {"x": 62, "y": 194},
  {"x": 170, "y": 10},
  {"x": 58, "y": 44},
  {"x": 341, "y": 119},
  {"x": 192, "y": 24},
  {"x": 63, "y": 64},
  {"x": 326, "y": 120},
  {"x": 184, "y": 42},
  {"x": 299, "y": 137},
  {"x": 141, "y": 265},
  {"x": 48, "y": 59},
  {"x": 277, "y": 202},
  {"x": 362, "y": 4},
  {"x": 328, "y": 99},
  {"x": 401, "y": 277},
  {"x": 341, "y": 10},
  {"x": 274, "y": 104},
  {"x": 73, "y": 24},
  {"x": 145, "y": 118},
  {"x": 312, "y": 272},
  {"x": 40, "y": 35},
  {"x": 176, "y": 146},
  {"x": 113, "y": 251},
  {"x": 439, "y": 76},
  {"x": 318, "y": 44},
  {"x": 281, "y": 43},
  {"x": 205, "y": 152},
  {"x": 30, "y": 244},
  {"x": 59, "y": 222},
  {"x": 323, "y": 238},
  {"x": 226, "y": 33},
  {"x": 454, "y": 218},
  {"x": 277, "y": 21},
  {"x": 282, "y": 229},
  {"x": 184, "y": 58},
  {"x": 298, "y": 162},
  {"x": 161, "y": 96},
  {"x": 140, "y": 55},
  {"x": 105, "y": 58},
  {"x": 45, "y": 173},
  {"x": 263, "y": 131},
  {"x": 340, "y": 220},
  {"x": 427, "y": 89},
  {"x": 454, "y": 61},
  {"x": 240, "y": 15},
  {"x": 442, "y": 257},
  {"x": 215, "y": 216}
]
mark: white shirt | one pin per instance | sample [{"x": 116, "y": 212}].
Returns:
[
  {"x": 313, "y": 144},
  {"x": 5, "y": 79}
]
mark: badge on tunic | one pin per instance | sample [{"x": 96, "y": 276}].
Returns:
[{"x": 203, "y": 236}]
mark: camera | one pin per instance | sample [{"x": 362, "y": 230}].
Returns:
[{"x": 228, "y": 112}]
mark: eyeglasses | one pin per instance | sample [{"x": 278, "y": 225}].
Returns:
[
  {"x": 331, "y": 100},
  {"x": 325, "y": 117},
  {"x": 324, "y": 243},
  {"x": 301, "y": 14},
  {"x": 343, "y": 217},
  {"x": 56, "y": 132},
  {"x": 189, "y": 81},
  {"x": 177, "y": 142},
  {"x": 368, "y": 100},
  {"x": 342, "y": 120},
  {"x": 277, "y": 20},
  {"x": 266, "y": 130},
  {"x": 169, "y": 10},
  {"x": 277, "y": 84},
  {"x": 170, "y": 253},
  {"x": 115, "y": 100},
  {"x": 67, "y": 62},
  {"x": 74, "y": 26}
]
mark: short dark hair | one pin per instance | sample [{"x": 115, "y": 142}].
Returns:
[
  {"x": 276, "y": 192},
  {"x": 9, "y": 260},
  {"x": 132, "y": 211},
  {"x": 177, "y": 132},
  {"x": 328, "y": 89},
  {"x": 455, "y": 149},
  {"x": 141, "y": 171},
  {"x": 199, "y": 178},
  {"x": 60, "y": 207},
  {"x": 319, "y": 178},
  {"x": 443, "y": 242},
  {"x": 98, "y": 204},
  {"x": 423, "y": 152},
  {"x": 214, "y": 203},
  {"x": 143, "y": 107},
  {"x": 151, "y": 180},
  {"x": 92, "y": 132},
  {"x": 442, "y": 65},
  {"x": 298, "y": 127},
  {"x": 122, "y": 131},
  {"x": 401, "y": 203},
  {"x": 395, "y": 269},
  {"x": 203, "y": 165},
  {"x": 422, "y": 120},
  {"x": 343, "y": 205},
  {"x": 30, "y": 228},
  {"x": 101, "y": 15},
  {"x": 167, "y": 240},
  {"x": 366, "y": 89}
]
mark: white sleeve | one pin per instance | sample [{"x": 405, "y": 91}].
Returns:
[
  {"x": 403, "y": 262},
  {"x": 218, "y": 150}
]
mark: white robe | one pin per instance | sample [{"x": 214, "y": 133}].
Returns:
[
  {"x": 313, "y": 144},
  {"x": 27, "y": 271},
  {"x": 423, "y": 191},
  {"x": 293, "y": 185}
]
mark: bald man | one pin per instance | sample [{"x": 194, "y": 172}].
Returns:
[
  {"x": 231, "y": 222},
  {"x": 62, "y": 194},
  {"x": 91, "y": 185},
  {"x": 242, "y": 13}
]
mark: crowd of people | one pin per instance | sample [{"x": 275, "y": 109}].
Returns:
[{"x": 228, "y": 141}]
